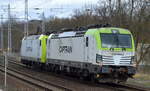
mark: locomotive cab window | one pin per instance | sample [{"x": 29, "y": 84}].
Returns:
[
  {"x": 40, "y": 42},
  {"x": 116, "y": 40},
  {"x": 87, "y": 40},
  {"x": 46, "y": 40}
]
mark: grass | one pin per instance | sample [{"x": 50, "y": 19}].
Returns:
[
  {"x": 140, "y": 80},
  {"x": 142, "y": 76}
]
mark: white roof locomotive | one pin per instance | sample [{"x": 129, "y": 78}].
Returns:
[{"x": 99, "y": 53}]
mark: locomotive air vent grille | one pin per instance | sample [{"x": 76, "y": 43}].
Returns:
[
  {"x": 108, "y": 60},
  {"x": 125, "y": 60}
]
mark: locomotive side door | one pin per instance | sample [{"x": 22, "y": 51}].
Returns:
[{"x": 90, "y": 50}]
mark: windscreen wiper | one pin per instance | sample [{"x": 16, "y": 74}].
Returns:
[
  {"x": 123, "y": 48},
  {"x": 111, "y": 49}
]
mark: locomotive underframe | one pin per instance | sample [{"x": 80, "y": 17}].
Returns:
[{"x": 100, "y": 73}]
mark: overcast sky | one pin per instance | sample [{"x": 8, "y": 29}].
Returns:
[{"x": 60, "y": 8}]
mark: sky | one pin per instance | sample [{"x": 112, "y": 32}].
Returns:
[{"x": 59, "y": 8}]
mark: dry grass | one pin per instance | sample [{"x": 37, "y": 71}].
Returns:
[
  {"x": 141, "y": 80},
  {"x": 142, "y": 76}
]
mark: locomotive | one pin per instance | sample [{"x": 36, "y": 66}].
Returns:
[{"x": 105, "y": 54}]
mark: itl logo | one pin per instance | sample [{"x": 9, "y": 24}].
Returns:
[{"x": 65, "y": 49}]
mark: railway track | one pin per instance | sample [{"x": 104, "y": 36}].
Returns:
[
  {"x": 119, "y": 87},
  {"x": 110, "y": 87},
  {"x": 128, "y": 87},
  {"x": 74, "y": 87},
  {"x": 33, "y": 80}
]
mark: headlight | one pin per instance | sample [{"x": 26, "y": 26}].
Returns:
[{"x": 98, "y": 58}]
